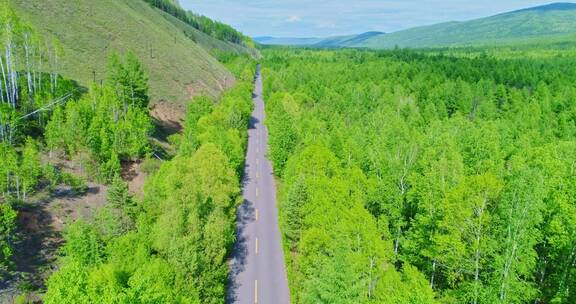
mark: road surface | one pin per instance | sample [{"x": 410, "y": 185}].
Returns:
[{"x": 258, "y": 274}]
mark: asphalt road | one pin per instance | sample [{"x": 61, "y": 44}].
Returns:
[{"x": 258, "y": 274}]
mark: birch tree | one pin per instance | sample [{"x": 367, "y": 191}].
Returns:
[
  {"x": 21, "y": 56},
  {"x": 520, "y": 216},
  {"x": 466, "y": 239},
  {"x": 29, "y": 168},
  {"x": 393, "y": 156},
  {"x": 442, "y": 170},
  {"x": 8, "y": 167}
]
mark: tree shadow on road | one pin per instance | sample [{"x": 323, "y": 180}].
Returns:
[{"x": 245, "y": 215}]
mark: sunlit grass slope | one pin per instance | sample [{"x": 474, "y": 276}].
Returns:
[{"x": 176, "y": 56}]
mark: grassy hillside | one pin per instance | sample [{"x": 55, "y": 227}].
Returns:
[
  {"x": 175, "y": 55},
  {"x": 533, "y": 23},
  {"x": 216, "y": 29}
]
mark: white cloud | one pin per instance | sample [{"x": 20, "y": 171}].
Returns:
[
  {"x": 327, "y": 25},
  {"x": 294, "y": 18}
]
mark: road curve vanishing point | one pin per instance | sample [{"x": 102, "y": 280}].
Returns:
[{"x": 257, "y": 273}]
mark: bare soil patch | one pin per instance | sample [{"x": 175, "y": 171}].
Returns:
[
  {"x": 169, "y": 114},
  {"x": 133, "y": 175},
  {"x": 41, "y": 221}
]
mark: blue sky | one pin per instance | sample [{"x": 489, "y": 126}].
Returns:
[{"x": 320, "y": 18}]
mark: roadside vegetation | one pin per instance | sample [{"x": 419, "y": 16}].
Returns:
[
  {"x": 409, "y": 177},
  {"x": 24, "y": 93},
  {"x": 171, "y": 246},
  {"x": 412, "y": 177}
]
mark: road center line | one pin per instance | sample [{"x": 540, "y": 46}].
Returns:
[
  {"x": 257, "y": 214},
  {"x": 256, "y": 246},
  {"x": 256, "y": 291}
]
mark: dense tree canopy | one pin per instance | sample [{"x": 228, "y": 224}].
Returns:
[
  {"x": 111, "y": 122},
  {"x": 413, "y": 176},
  {"x": 173, "y": 246},
  {"x": 169, "y": 247},
  {"x": 439, "y": 176}
]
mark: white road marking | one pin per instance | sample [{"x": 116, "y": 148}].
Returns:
[{"x": 256, "y": 291}]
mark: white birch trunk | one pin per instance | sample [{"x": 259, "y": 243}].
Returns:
[
  {"x": 5, "y": 80},
  {"x": 27, "y": 58}
]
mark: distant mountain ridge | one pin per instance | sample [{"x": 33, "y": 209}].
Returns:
[
  {"x": 336, "y": 41},
  {"x": 536, "y": 22},
  {"x": 347, "y": 41},
  {"x": 545, "y": 21},
  {"x": 558, "y": 6},
  {"x": 268, "y": 40}
]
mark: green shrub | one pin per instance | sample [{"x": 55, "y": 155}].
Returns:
[
  {"x": 150, "y": 165},
  {"x": 77, "y": 183}
]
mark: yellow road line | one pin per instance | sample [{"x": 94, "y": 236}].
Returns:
[
  {"x": 256, "y": 245},
  {"x": 257, "y": 214},
  {"x": 257, "y": 175},
  {"x": 256, "y": 192},
  {"x": 256, "y": 291}
]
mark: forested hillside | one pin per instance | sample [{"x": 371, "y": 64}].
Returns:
[
  {"x": 45, "y": 117},
  {"x": 171, "y": 247},
  {"x": 213, "y": 28},
  {"x": 179, "y": 56},
  {"x": 530, "y": 25},
  {"x": 421, "y": 178},
  {"x": 441, "y": 175},
  {"x": 557, "y": 19},
  {"x": 68, "y": 146}
]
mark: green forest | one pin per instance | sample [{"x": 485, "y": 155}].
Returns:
[
  {"x": 170, "y": 246},
  {"x": 24, "y": 93},
  {"x": 420, "y": 177},
  {"x": 402, "y": 176}
]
